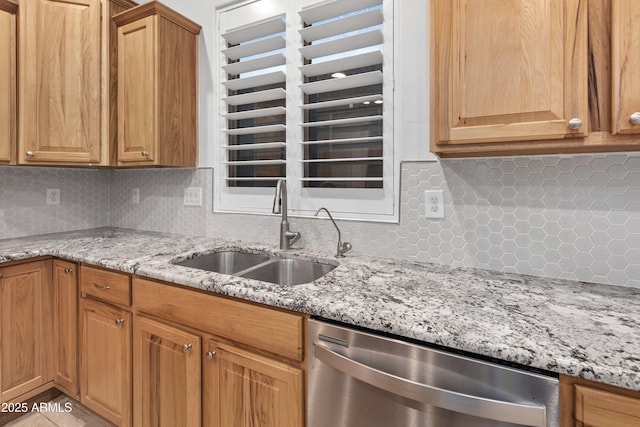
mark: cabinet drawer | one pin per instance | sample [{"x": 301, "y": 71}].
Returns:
[
  {"x": 109, "y": 286},
  {"x": 268, "y": 329}
]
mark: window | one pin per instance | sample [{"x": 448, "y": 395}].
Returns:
[{"x": 307, "y": 97}]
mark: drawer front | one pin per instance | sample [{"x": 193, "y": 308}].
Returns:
[
  {"x": 109, "y": 286},
  {"x": 268, "y": 329}
]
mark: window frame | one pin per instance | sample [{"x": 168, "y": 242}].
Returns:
[{"x": 380, "y": 205}]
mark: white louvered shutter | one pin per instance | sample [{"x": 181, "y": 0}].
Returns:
[{"x": 256, "y": 115}]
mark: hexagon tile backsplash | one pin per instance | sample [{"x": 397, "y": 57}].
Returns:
[{"x": 573, "y": 217}]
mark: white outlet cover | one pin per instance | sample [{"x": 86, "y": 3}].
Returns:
[
  {"x": 193, "y": 196},
  {"x": 53, "y": 196},
  {"x": 434, "y": 204}
]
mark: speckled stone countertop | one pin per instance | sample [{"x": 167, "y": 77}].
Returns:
[{"x": 580, "y": 329}]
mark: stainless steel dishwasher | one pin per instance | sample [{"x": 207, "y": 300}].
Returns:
[{"x": 357, "y": 379}]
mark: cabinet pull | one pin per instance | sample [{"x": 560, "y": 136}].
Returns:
[
  {"x": 119, "y": 322},
  {"x": 68, "y": 270},
  {"x": 145, "y": 154},
  {"x": 575, "y": 123},
  {"x": 635, "y": 118},
  {"x": 186, "y": 347},
  {"x": 105, "y": 287},
  {"x": 29, "y": 153},
  {"x": 211, "y": 355}
]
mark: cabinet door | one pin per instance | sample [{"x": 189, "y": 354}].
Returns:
[
  {"x": 65, "y": 326},
  {"x": 625, "y": 48},
  {"x": 106, "y": 361},
  {"x": 243, "y": 389},
  {"x": 166, "y": 383},
  {"x": 597, "y": 408},
  {"x": 59, "y": 81},
  {"x": 509, "y": 70},
  {"x": 25, "y": 315},
  {"x": 137, "y": 92},
  {"x": 7, "y": 81}
]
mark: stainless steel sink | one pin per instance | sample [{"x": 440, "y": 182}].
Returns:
[
  {"x": 227, "y": 262},
  {"x": 288, "y": 272},
  {"x": 272, "y": 269}
]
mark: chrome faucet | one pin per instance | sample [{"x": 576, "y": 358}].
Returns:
[
  {"x": 342, "y": 247},
  {"x": 287, "y": 237}
]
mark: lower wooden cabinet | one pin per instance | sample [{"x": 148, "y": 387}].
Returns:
[
  {"x": 25, "y": 328},
  {"x": 65, "y": 327},
  {"x": 166, "y": 382},
  {"x": 243, "y": 389},
  {"x": 106, "y": 361}
]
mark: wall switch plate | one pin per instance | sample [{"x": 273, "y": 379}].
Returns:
[
  {"x": 53, "y": 196},
  {"x": 135, "y": 196},
  {"x": 193, "y": 196},
  {"x": 434, "y": 204}
]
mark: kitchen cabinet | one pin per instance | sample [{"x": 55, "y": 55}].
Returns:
[
  {"x": 106, "y": 344},
  {"x": 245, "y": 389},
  {"x": 65, "y": 327},
  {"x": 533, "y": 77},
  {"x": 625, "y": 40},
  {"x": 590, "y": 404},
  {"x": 67, "y": 81},
  {"x": 157, "y": 87},
  {"x": 252, "y": 362},
  {"x": 166, "y": 366},
  {"x": 25, "y": 328},
  {"x": 8, "y": 123}
]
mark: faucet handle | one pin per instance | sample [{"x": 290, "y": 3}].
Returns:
[{"x": 344, "y": 248}]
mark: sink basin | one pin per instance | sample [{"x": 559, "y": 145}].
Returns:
[
  {"x": 227, "y": 262},
  {"x": 288, "y": 272}
]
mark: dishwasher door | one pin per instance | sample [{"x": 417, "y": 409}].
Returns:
[{"x": 357, "y": 379}]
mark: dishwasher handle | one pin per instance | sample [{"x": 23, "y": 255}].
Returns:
[{"x": 516, "y": 413}]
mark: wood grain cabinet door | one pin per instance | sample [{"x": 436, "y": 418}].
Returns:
[
  {"x": 8, "y": 122},
  {"x": 60, "y": 81},
  {"x": 243, "y": 389},
  {"x": 625, "y": 48},
  {"x": 65, "y": 326},
  {"x": 26, "y": 331},
  {"x": 137, "y": 97},
  {"x": 598, "y": 408},
  {"x": 509, "y": 70},
  {"x": 166, "y": 383},
  {"x": 106, "y": 361}
]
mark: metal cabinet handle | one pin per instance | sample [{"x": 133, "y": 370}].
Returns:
[
  {"x": 29, "y": 153},
  {"x": 575, "y": 123},
  {"x": 68, "y": 270},
  {"x": 530, "y": 415},
  {"x": 211, "y": 355},
  {"x": 145, "y": 154},
  {"x": 186, "y": 347},
  {"x": 119, "y": 322},
  {"x": 105, "y": 287},
  {"x": 635, "y": 118}
]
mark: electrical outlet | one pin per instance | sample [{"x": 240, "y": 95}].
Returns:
[
  {"x": 193, "y": 196},
  {"x": 135, "y": 196},
  {"x": 434, "y": 204},
  {"x": 53, "y": 196}
]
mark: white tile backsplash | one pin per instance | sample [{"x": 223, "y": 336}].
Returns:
[{"x": 574, "y": 217}]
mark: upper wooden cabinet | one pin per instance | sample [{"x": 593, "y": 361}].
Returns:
[
  {"x": 8, "y": 11},
  {"x": 510, "y": 70},
  {"x": 625, "y": 39},
  {"x": 157, "y": 87},
  {"x": 67, "y": 81},
  {"x": 533, "y": 76}
]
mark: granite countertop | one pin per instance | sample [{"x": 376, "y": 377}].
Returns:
[{"x": 580, "y": 329}]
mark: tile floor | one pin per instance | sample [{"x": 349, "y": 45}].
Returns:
[{"x": 78, "y": 416}]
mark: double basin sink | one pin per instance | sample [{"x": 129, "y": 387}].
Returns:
[{"x": 266, "y": 268}]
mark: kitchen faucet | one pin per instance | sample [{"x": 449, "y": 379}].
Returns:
[
  {"x": 287, "y": 237},
  {"x": 342, "y": 247}
]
